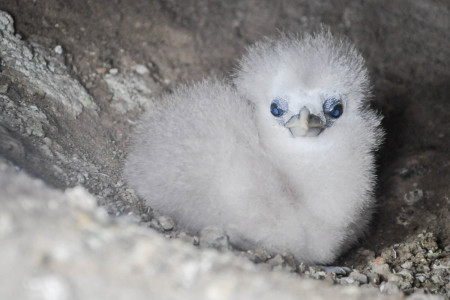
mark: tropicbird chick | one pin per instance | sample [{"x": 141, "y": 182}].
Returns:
[{"x": 284, "y": 162}]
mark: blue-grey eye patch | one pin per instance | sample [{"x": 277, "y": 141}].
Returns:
[
  {"x": 333, "y": 108},
  {"x": 278, "y": 107}
]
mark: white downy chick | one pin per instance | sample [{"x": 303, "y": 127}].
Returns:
[{"x": 283, "y": 161}]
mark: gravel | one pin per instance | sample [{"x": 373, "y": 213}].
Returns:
[{"x": 419, "y": 266}]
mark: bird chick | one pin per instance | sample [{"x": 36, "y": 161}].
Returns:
[{"x": 282, "y": 160}]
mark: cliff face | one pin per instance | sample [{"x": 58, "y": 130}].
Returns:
[{"x": 75, "y": 77}]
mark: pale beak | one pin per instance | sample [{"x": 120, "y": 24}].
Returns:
[{"x": 305, "y": 124}]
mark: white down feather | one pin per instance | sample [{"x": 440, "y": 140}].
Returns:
[{"x": 213, "y": 154}]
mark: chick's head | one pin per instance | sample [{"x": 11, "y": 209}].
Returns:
[{"x": 305, "y": 87}]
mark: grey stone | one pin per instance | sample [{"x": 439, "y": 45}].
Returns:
[
  {"x": 382, "y": 270},
  {"x": 348, "y": 281},
  {"x": 407, "y": 265},
  {"x": 259, "y": 255},
  {"x": 358, "y": 277},
  {"x": 166, "y": 223},
  {"x": 214, "y": 237},
  {"x": 406, "y": 273},
  {"x": 276, "y": 261},
  {"x": 421, "y": 277},
  {"x": 390, "y": 288},
  {"x": 413, "y": 196},
  {"x": 113, "y": 71},
  {"x": 3, "y": 88},
  {"x": 58, "y": 49}
]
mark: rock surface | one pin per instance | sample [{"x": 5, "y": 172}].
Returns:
[
  {"x": 74, "y": 78},
  {"x": 61, "y": 245}
]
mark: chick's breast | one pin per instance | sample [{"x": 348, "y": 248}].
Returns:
[{"x": 191, "y": 154}]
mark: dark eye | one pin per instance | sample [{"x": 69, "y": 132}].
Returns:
[
  {"x": 337, "y": 111},
  {"x": 333, "y": 107},
  {"x": 276, "y": 110}
]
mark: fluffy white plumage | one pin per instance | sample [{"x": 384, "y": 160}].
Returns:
[{"x": 283, "y": 159}]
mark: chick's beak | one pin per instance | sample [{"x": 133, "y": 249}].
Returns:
[{"x": 305, "y": 124}]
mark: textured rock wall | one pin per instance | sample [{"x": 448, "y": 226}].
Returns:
[{"x": 73, "y": 85}]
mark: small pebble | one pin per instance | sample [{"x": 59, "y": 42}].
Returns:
[
  {"x": 80, "y": 178},
  {"x": 166, "y": 223},
  {"x": 113, "y": 71},
  {"x": 119, "y": 183},
  {"x": 3, "y": 88},
  {"x": 389, "y": 288},
  {"x": 101, "y": 70},
  {"x": 394, "y": 277},
  {"x": 413, "y": 196},
  {"x": 58, "y": 50},
  {"x": 301, "y": 268},
  {"x": 276, "y": 261},
  {"x": 358, "y": 277},
  {"x": 319, "y": 275},
  {"x": 259, "y": 255},
  {"x": 344, "y": 271},
  {"x": 279, "y": 262},
  {"x": 347, "y": 281},
  {"x": 421, "y": 277},
  {"x": 437, "y": 279},
  {"x": 406, "y": 274},
  {"x": 182, "y": 235},
  {"x": 155, "y": 224},
  {"x": 141, "y": 69},
  {"x": 330, "y": 279},
  {"x": 146, "y": 217},
  {"x": 407, "y": 265},
  {"x": 290, "y": 261},
  {"x": 214, "y": 237},
  {"x": 382, "y": 270}
]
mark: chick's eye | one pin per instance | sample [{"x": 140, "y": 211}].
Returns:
[
  {"x": 276, "y": 110},
  {"x": 333, "y": 108},
  {"x": 337, "y": 111}
]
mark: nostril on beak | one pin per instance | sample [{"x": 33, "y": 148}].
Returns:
[
  {"x": 305, "y": 124},
  {"x": 315, "y": 121}
]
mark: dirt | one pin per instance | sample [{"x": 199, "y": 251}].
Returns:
[{"x": 154, "y": 46}]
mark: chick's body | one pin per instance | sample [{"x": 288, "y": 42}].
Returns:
[{"x": 212, "y": 154}]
